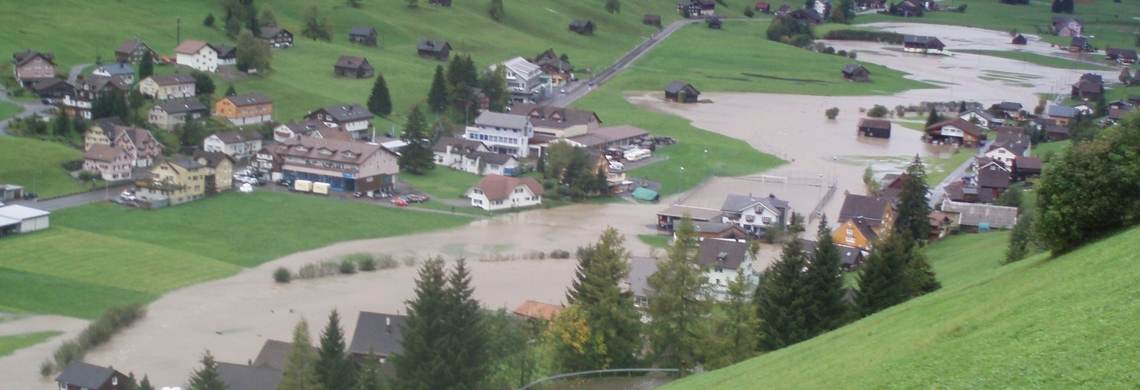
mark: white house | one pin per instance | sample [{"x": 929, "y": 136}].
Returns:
[
  {"x": 756, "y": 214},
  {"x": 497, "y": 192},
  {"x": 980, "y": 117},
  {"x": 823, "y": 7},
  {"x": 450, "y": 151},
  {"x": 19, "y": 219},
  {"x": 523, "y": 77},
  {"x": 197, "y": 55},
  {"x": 723, "y": 258},
  {"x": 111, "y": 70},
  {"x": 237, "y": 144},
  {"x": 502, "y": 133},
  {"x": 168, "y": 86},
  {"x": 353, "y": 118}
]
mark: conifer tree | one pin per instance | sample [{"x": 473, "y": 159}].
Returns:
[
  {"x": 231, "y": 91},
  {"x": 206, "y": 378},
  {"x": 119, "y": 106},
  {"x": 145, "y": 384},
  {"x": 678, "y": 305},
  {"x": 823, "y": 285},
  {"x": 919, "y": 274},
  {"x": 146, "y": 66},
  {"x": 335, "y": 371},
  {"x": 913, "y": 217},
  {"x": 437, "y": 96},
  {"x": 421, "y": 366},
  {"x": 609, "y": 310},
  {"x": 466, "y": 338},
  {"x": 735, "y": 331},
  {"x": 494, "y": 84},
  {"x": 416, "y": 158},
  {"x": 883, "y": 281},
  {"x": 130, "y": 384},
  {"x": 369, "y": 378},
  {"x": 62, "y": 125},
  {"x": 780, "y": 301},
  {"x": 933, "y": 117},
  {"x": 379, "y": 101},
  {"x": 300, "y": 371}
]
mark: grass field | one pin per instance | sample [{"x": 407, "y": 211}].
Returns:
[
  {"x": 442, "y": 182},
  {"x": 1040, "y": 150},
  {"x": 1034, "y": 58},
  {"x": 8, "y": 110},
  {"x": 1066, "y": 322},
  {"x": 654, "y": 240},
  {"x": 25, "y": 160},
  {"x": 10, "y": 344},
  {"x": 938, "y": 168}
]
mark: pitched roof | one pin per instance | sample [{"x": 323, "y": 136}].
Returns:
[
  {"x": 377, "y": 333},
  {"x": 172, "y": 79},
  {"x": 639, "y": 270},
  {"x": 993, "y": 178},
  {"x": 249, "y": 99},
  {"x": 849, "y": 255},
  {"x": 271, "y": 32},
  {"x": 348, "y": 112},
  {"x": 332, "y": 133},
  {"x": 138, "y": 137},
  {"x": 880, "y": 124},
  {"x": 545, "y": 116},
  {"x": 460, "y": 145},
  {"x": 869, "y": 207},
  {"x": 117, "y": 69},
  {"x": 84, "y": 375},
  {"x": 557, "y": 63},
  {"x": 678, "y": 86},
  {"x": 1092, "y": 77},
  {"x": 854, "y": 67},
  {"x": 979, "y": 112},
  {"x": 723, "y": 253},
  {"x": 274, "y": 354},
  {"x": 1079, "y": 42},
  {"x": 1027, "y": 163},
  {"x": 864, "y": 226},
  {"x": 181, "y": 106},
  {"x": 960, "y": 123},
  {"x": 737, "y": 203},
  {"x": 581, "y": 23},
  {"x": 184, "y": 162},
  {"x": 225, "y": 51},
  {"x": 711, "y": 227},
  {"x": 190, "y": 47},
  {"x": 497, "y": 187},
  {"x": 312, "y": 146},
  {"x": 432, "y": 45},
  {"x": 974, "y": 214},
  {"x": 212, "y": 158},
  {"x": 129, "y": 46},
  {"x": 920, "y": 40},
  {"x": 492, "y": 157},
  {"x": 1056, "y": 129},
  {"x": 605, "y": 135},
  {"x": 696, "y": 213},
  {"x": 520, "y": 65},
  {"x": 1010, "y": 106},
  {"x": 305, "y": 127},
  {"x": 535, "y": 309},
  {"x": 244, "y": 377},
  {"x": 100, "y": 152},
  {"x": 495, "y": 119},
  {"x": 362, "y": 30},
  {"x": 1062, "y": 111},
  {"x": 21, "y": 58},
  {"x": 352, "y": 62},
  {"x": 238, "y": 136}
]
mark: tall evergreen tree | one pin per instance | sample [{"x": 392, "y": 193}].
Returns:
[
  {"x": 882, "y": 281},
  {"x": 379, "y": 101},
  {"x": 437, "y": 96},
  {"x": 933, "y": 117},
  {"x": 780, "y": 300},
  {"x": 466, "y": 352},
  {"x": 146, "y": 66},
  {"x": 735, "y": 335},
  {"x": 496, "y": 10},
  {"x": 206, "y": 378},
  {"x": 119, "y": 106},
  {"x": 369, "y": 377},
  {"x": 145, "y": 384},
  {"x": 823, "y": 285},
  {"x": 422, "y": 366},
  {"x": 61, "y": 126},
  {"x": 494, "y": 84},
  {"x": 596, "y": 288},
  {"x": 919, "y": 274},
  {"x": 962, "y": 107},
  {"x": 300, "y": 372},
  {"x": 678, "y": 303},
  {"x": 416, "y": 158},
  {"x": 231, "y": 91},
  {"x": 913, "y": 217},
  {"x": 335, "y": 371}
]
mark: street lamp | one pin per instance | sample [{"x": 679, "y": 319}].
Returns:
[{"x": 680, "y": 178}]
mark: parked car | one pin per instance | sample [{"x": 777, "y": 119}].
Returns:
[
  {"x": 413, "y": 198},
  {"x": 357, "y": 194},
  {"x": 29, "y": 195},
  {"x": 400, "y": 201},
  {"x": 47, "y": 101}
]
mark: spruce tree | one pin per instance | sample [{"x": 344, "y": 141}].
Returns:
[
  {"x": 780, "y": 299},
  {"x": 422, "y": 366},
  {"x": 735, "y": 336},
  {"x": 823, "y": 285},
  {"x": 913, "y": 216},
  {"x": 602, "y": 268},
  {"x": 231, "y": 91},
  {"x": 494, "y": 84},
  {"x": 437, "y": 96},
  {"x": 62, "y": 125},
  {"x": 300, "y": 372},
  {"x": 466, "y": 339},
  {"x": 380, "y": 102},
  {"x": 130, "y": 384},
  {"x": 119, "y": 106},
  {"x": 369, "y": 378},
  {"x": 962, "y": 107},
  {"x": 416, "y": 158},
  {"x": 678, "y": 302},
  {"x": 334, "y": 369},
  {"x": 146, "y": 66},
  {"x": 919, "y": 273},
  {"x": 206, "y": 378},
  {"x": 933, "y": 117},
  {"x": 883, "y": 281},
  {"x": 145, "y": 384}
]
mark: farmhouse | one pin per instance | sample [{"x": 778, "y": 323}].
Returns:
[
  {"x": 473, "y": 157},
  {"x": 140, "y": 144},
  {"x": 82, "y": 376},
  {"x": 722, "y": 258},
  {"x": 1062, "y": 114},
  {"x": 719, "y": 230},
  {"x": 1090, "y": 87},
  {"x": 294, "y": 130},
  {"x": 132, "y": 52},
  {"x": 168, "y": 86},
  {"x": 169, "y": 114},
  {"x": 278, "y": 38},
  {"x": 1079, "y": 44},
  {"x": 807, "y": 15},
  {"x": 651, "y": 20},
  {"x": 30, "y": 65},
  {"x": 558, "y": 122},
  {"x": 763, "y": 7},
  {"x": 636, "y": 283},
  {"x": 110, "y": 162},
  {"x": 248, "y": 109},
  {"x": 1008, "y": 146},
  {"x": 197, "y": 55},
  {"x": 1009, "y": 110},
  {"x": 754, "y": 215},
  {"x": 856, "y": 73},
  {"x": 88, "y": 89},
  {"x": 227, "y": 55},
  {"x": 878, "y": 128},
  {"x": 1068, "y": 27},
  {"x": 878, "y": 213},
  {"x": 352, "y": 118},
  {"x": 922, "y": 44},
  {"x": 438, "y": 50},
  {"x": 956, "y": 131},
  {"x": 1020, "y": 40},
  {"x": 497, "y": 192},
  {"x": 1025, "y": 167},
  {"x": 856, "y": 233},
  {"x": 173, "y": 181},
  {"x": 696, "y": 8},
  {"x": 363, "y": 35},
  {"x": 502, "y": 133},
  {"x": 534, "y": 311},
  {"x": 981, "y": 118},
  {"x": 681, "y": 92},
  {"x": 377, "y": 335},
  {"x": 219, "y": 171},
  {"x": 523, "y": 77},
  {"x": 120, "y": 70},
  {"x": 51, "y": 88},
  {"x": 248, "y": 377},
  {"x": 238, "y": 144},
  {"x": 354, "y": 67},
  {"x": 582, "y": 26}
]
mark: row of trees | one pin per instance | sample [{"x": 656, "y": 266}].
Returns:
[
  {"x": 453, "y": 90},
  {"x": 790, "y": 31},
  {"x": 572, "y": 170},
  {"x": 1062, "y": 6}
]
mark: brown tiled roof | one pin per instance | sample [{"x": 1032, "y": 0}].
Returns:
[
  {"x": 869, "y": 207},
  {"x": 190, "y": 46},
  {"x": 993, "y": 178},
  {"x": 100, "y": 152},
  {"x": 212, "y": 158},
  {"x": 172, "y": 79},
  {"x": 352, "y": 62},
  {"x": 960, "y": 123},
  {"x": 542, "y": 116},
  {"x": 1027, "y": 163},
  {"x": 498, "y": 187},
  {"x": 875, "y": 124},
  {"x": 313, "y": 146},
  {"x": 333, "y": 133},
  {"x": 21, "y": 58},
  {"x": 129, "y": 46},
  {"x": 538, "y": 310}
]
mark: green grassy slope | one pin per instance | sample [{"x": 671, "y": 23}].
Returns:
[
  {"x": 24, "y": 160},
  {"x": 1067, "y": 323},
  {"x": 8, "y": 110},
  {"x": 9, "y": 344}
]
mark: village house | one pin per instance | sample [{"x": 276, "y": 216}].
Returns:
[
  {"x": 197, "y": 55},
  {"x": 293, "y": 130},
  {"x": 756, "y": 214},
  {"x": 348, "y": 166},
  {"x": 981, "y": 118},
  {"x": 238, "y": 144},
  {"x": 140, "y": 144},
  {"x": 227, "y": 55},
  {"x": 637, "y": 282},
  {"x": 1090, "y": 87},
  {"x": 52, "y": 88},
  {"x": 696, "y": 8},
  {"x": 681, "y": 92},
  {"x": 248, "y": 377},
  {"x": 667, "y": 219},
  {"x": 909, "y": 8},
  {"x": 173, "y": 181},
  {"x": 722, "y": 258},
  {"x": 132, "y": 52},
  {"x": 275, "y": 354},
  {"x": 497, "y": 192},
  {"x": 120, "y": 70},
  {"x": 482, "y": 101},
  {"x": 1025, "y": 167},
  {"x": 278, "y": 38},
  {"x": 856, "y": 233},
  {"x": 878, "y": 213},
  {"x": 1009, "y": 110},
  {"x": 537, "y": 311},
  {"x": 219, "y": 171},
  {"x": 713, "y": 22},
  {"x": 582, "y": 26},
  {"x": 807, "y": 15},
  {"x": 1008, "y": 146},
  {"x": 1062, "y": 114},
  {"x": 82, "y": 376},
  {"x": 377, "y": 335},
  {"x": 975, "y": 217},
  {"x": 451, "y": 151},
  {"x": 1079, "y": 44},
  {"x": 523, "y": 77},
  {"x": 31, "y": 65},
  {"x": 354, "y": 67},
  {"x": 955, "y": 131},
  {"x": 168, "y": 86},
  {"x": 473, "y": 157},
  {"x": 1020, "y": 40},
  {"x": 822, "y": 7},
  {"x": 89, "y": 88},
  {"x": 992, "y": 181},
  {"x": 558, "y": 122},
  {"x": 112, "y": 163},
  {"x": 922, "y": 44},
  {"x": 363, "y": 35},
  {"x": 763, "y": 7},
  {"x": 433, "y": 49},
  {"x": 1068, "y": 27},
  {"x": 248, "y": 109},
  {"x": 651, "y": 20},
  {"x": 879, "y": 128},
  {"x": 870, "y": 4},
  {"x": 167, "y": 115},
  {"x": 856, "y": 73},
  {"x": 608, "y": 137},
  {"x": 101, "y": 131},
  {"x": 502, "y": 133},
  {"x": 940, "y": 225},
  {"x": 720, "y": 230},
  {"x": 352, "y": 118},
  {"x": 784, "y": 10}
]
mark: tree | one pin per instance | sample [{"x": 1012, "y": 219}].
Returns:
[
  {"x": 913, "y": 216},
  {"x": 136, "y": 100},
  {"x": 267, "y": 18},
  {"x": 1012, "y": 197},
  {"x": 494, "y": 84},
  {"x": 191, "y": 134},
  {"x": 734, "y": 336},
  {"x": 316, "y": 25},
  {"x": 252, "y": 53},
  {"x": 467, "y": 336},
  {"x": 919, "y": 274},
  {"x": 1056, "y": 8},
  {"x": 962, "y": 107},
  {"x": 369, "y": 376},
  {"x": 878, "y": 111},
  {"x": 574, "y": 344},
  {"x": 300, "y": 372},
  {"x": 513, "y": 357},
  {"x": 146, "y": 66},
  {"x": 882, "y": 281},
  {"x": 613, "y": 6},
  {"x": 209, "y": 21},
  {"x": 496, "y": 10},
  {"x": 1022, "y": 242},
  {"x": 379, "y": 102},
  {"x": 779, "y": 301},
  {"x": 354, "y": 3},
  {"x": 203, "y": 83},
  {"x": 231, "y": 91},
  {"x": 416, "y": 158},
  {"x": 838, "y": 16},
  {"x": 1067, "y": 6},
  {"x": 437, "y": 95},
  {"x": 609, "y": 311},
  {"x": 823, "y": 285},
  {"x": 61, "y": 126},
  {"x": 540, "y": 166},
  {"x": 848, "y": 7},
  {"x": 232, "y": 27},
  {"x": 1101, "y": 105},
  {"x": 832, "y": 113},
  {"x": 119, "y": 106},
  {"x": 748, "y": 12},
  {"x": 933, "y": 118},
  {"x": 1125, "y": 76},
  {"x": 335, "y": 371},
  {"x": 422, "y": 366},
  {"x": 206, "y": 378},
  {"x": 678, "y": 305},
  {"x": 145, "y": 384},
  {"x": 412, "y": 3}
]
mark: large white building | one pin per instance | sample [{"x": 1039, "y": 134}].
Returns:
[
  {"x": 197, "y": 55},
  {"x": 502, "y": 133},
  {"x": 523, "y": 77},
  {"x": 15, "y": 219},
  {"x": 497, "y": 192}
]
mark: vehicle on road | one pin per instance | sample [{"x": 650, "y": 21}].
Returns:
[
  {"x": 47, "y": 101},
  {"x": 413, "y": 198},
  {"x": 400, "y": 201}
]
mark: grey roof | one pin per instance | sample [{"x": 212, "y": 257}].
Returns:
[
  {"x": 244, "y": 377},
  {"x": 880, "y": 124},
  {"x": 459, "y": 145},
  {"x": 697, "y": 214},
  {"x": 712, "y": 227},
  {"x": 849, "y": 255},
  {"x": 225, "y": 51},
  {"x": 129, "y": 46},
  {"x": 348, "y": 112},
  {"x": 362, "y": 30},
  {"x": 869, "y": 207},
  {"x": 919, "y": 39},
  {"x": 1092, "y": 77},
  {"x": 84, "y": 375},
  {"x": 493, "y": 158},
  {"x": 19, "y": 212},
  {"x": 353, "y": 62},
  {"x": 581, "y": 23},
  {"x": 274, "y": 354},
  {"x": 212, "y": 158},
  {"x": 377, "y": 333},
  {"x": 185, "y": 162},
  {"x": 723, "y": 253},
  {"x": 118, "y": 69},
  {"x": 605, "y": 135},
  {"x": 854, "y": 67},
  {"x": 736, "y": 203},
  {"x": 554, "y": 117},
  {"x": 172, "y": 79},
  {"x": 993, "y": 178},
  {"x": 979, "y": 112},
  {"x": 678, "y": 86},
  {"x": 20, "y": 58},
  {"x": 639, "y": 271},
  {"x": 495, "y": 119},
  {"x": 1017, "y": 142},
  {"x": 432, "y": 45},
  {"x": 864, "y": 226},
  {"x": 238, "y": 136},
  {"x": 181, "y": 106},
  {"x": 1062, "y": 111},
  {"x": 1079, "y": 41},
  {"x": 271, "y": 32},
  {"x": 249, "y": 99},
  {"x": 1009, "y": 106},
  {"x": 973, "y": 214}
]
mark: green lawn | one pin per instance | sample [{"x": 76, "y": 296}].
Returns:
[
  {"x": 654, "y": 240},
  {"x": 1040, "y": 150},
  {"x": 1067, "y": 322},
  {"x": 27, "y": 161},
  {"x": 1034, "y": 58},
  {"x": 938, "y": 168},
  {"x": 442, "y": 182},
  {"x": 10, "y": 344},
  {"x": 8, "y": 110}
]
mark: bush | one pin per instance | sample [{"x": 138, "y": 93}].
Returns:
[
  {"x": 829, "y": 50},
  {"x": 368, "y": 264},
  {"x": 832, "y": 112},
  {"x": 282, "y": 275},
  {"x": 749, "y": 12},
  {"x": 46, "y": 368},
  {"x": 98, "y": 332},
  {"x": 386, "y": 262},
  {"x": 851, "y": 54},
  {"x": 841, "y": 53},
  {"x": 559, "y": 254},
  {"x": 347, "y": 266},
  {"x": 878, "y": 111},
  {"x": 72, "y": 165},
  {"x": 410, "y": 261},
  {"x": 307, "y": 271},
  {"x": 871, "y": 36}
]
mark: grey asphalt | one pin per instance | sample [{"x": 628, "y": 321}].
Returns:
[
  {"x": 75, "y": 70},
  {"x": 29, "y": 110},
  {"x": 939, "y": 191},
  {"x": 95, "y": 195}
]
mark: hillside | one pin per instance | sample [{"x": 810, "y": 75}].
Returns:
[
  {"x": 35, "y": 163},
  {"x": 1068, "y": 322}
]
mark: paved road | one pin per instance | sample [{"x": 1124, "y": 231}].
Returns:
[
  {"x": 939, "y": 191},
  {"x": 98, "y": 194},
  {"x": 75, "y": 71},
  {"x": 29, "y": 109}
]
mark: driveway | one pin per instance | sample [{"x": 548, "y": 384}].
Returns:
[
  {"x": 939, "y": 191},
  {"x": 75, "y": 71},
  {"x": 29, "y": 110}
]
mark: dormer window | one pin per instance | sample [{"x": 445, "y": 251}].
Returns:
[
  {"x": 300, "y": 148},
  {"x": 349, "y": 155},
  {"x": 325, "y": 152}
]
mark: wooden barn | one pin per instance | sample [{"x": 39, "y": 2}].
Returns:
[{"x": 878, "y": 128}]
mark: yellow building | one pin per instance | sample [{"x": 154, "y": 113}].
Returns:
[
  {"x": 173, "y": 181},
  {"x": 856, "y": 232},
  {"x": 219, "y": 171}
]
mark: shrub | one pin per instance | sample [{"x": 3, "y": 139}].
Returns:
[
  {"x": 282, "y": 275},
  {"x": 307, "y": 271},
  {"x": 878, "y": 111},
  {"x": 368, "y": 264},
  {"x": 72, "y": 165},
  {"x": 386, "y": 262},
  {"x": 46, "y": 368},
  {"x": 829, "y": 50},
  {"x": 841, "y": 53},
  {"x": 410, "y": 261},
  {"x": 851, "y": 54},
  {"x": 832, "y": 112},
  {"x": 347, "y": 266},
  {"x": 559, "y": 254},
  {"x": 749, "y": 12},
  {"x": 97, "y": 332}
]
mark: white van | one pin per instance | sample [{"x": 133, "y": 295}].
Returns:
[
  {"x": 320, "y": 188},
  {"x": 302, "y": 185},
  {"x": 637, "y": 154},
  {"x": 616, "y": 166}
]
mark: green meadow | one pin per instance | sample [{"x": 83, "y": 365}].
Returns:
[
  {"x": 10, "y": 344},
  {"x": 8, "y": 110},
  {"x": 35, "y": 163}
]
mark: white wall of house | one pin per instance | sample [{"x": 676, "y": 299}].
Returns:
[
  {"x": 237, "y": 150},
  {"x": 206, "y": 59},
  {"x": 471, "y": 165},
  {"x": 719, "y": 277},
  {"x": 152, "y": 90},
  {"x": 754, "y": 219},
  {"x": 1005, "y": 156},
  {"x": 981, "y": 120},
  {"x": 502, "y": 140},
  {"x": 120, "y": 169},
  {"x": 521, "y": 196}
]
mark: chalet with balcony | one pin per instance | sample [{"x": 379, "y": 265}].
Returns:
[
  {"x": 352, "y": 118},
  {"x": 755, "y": 214}
]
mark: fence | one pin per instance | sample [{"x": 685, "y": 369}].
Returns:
[{"x": 601, "y": 373}]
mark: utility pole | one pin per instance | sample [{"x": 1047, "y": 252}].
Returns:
[{"x": 178, "y": 31}]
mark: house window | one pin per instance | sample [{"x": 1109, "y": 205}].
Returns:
[
  {"x": 850, "y": 232},
  {"x": 850, "y": 240}
]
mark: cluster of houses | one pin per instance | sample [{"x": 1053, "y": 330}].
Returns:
[{"x": 532, "y": 80}]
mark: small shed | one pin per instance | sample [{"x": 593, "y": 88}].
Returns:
[
  {"x": 651, "y": 20},
  {"x": 582, "y": 26},
  {"x": 646, "y": 194},
  {"x": 430, "y": 48},
  {"x": 441, "y": 3},
  {"x": 11, "y": 191},
  {"x": 22, "y": 219},
  {"x": 713, "y": 22},
  {"x": 681, "y": 92},
  {"x": 1020, "y": 40},
  {"x": 355, "y": 67},
  {"x": 763, "y": 6},
  {"x": 363, "y": 35},
  {"x": 878, "y": 128},
  {"x": 856, "y": 73}
]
